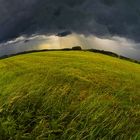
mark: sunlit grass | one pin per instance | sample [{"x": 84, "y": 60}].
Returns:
[{"x": 69, "y": 96}]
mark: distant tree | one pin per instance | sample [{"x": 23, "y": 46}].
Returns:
[{"x": 77, "y": 48}]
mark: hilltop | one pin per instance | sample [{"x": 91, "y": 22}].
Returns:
[{"x": 69, "y": 95}]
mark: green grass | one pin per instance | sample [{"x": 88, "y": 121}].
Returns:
[{"x": 69, "y": 96}]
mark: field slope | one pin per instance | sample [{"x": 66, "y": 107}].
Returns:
[{"x": 69, "y": 96}]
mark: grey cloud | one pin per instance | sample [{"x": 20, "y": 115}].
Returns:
[{"x": 99, "y": 17}]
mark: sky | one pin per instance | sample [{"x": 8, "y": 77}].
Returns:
[{"x": 105, "y": 23}]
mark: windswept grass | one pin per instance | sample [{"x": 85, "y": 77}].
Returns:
[{"x": 69, "y": 96}]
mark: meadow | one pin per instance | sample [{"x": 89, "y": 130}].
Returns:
[{"x": 74, "y": 95}]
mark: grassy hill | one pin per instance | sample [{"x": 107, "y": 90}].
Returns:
[{"x": 69, "y": 96}]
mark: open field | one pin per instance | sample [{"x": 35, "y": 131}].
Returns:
[{"x": 73, "y": 95}]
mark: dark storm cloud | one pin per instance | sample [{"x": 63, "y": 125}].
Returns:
[{"x": 99, "y": 17}]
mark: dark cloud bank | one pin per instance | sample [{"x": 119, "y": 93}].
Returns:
[{"x": 98, "y": 17}]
